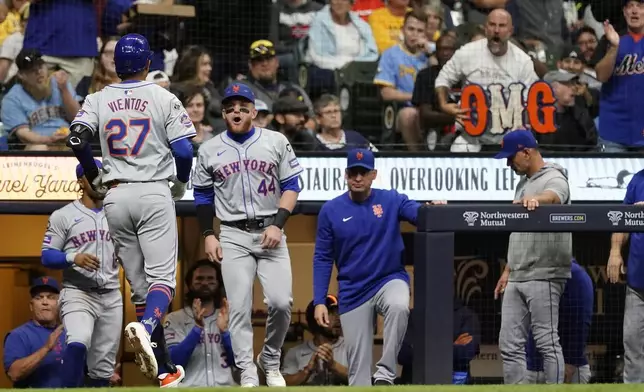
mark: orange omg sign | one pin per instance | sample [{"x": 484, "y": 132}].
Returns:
[{"x": 495, "y": 113}]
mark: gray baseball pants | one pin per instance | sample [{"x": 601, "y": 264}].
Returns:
[
  {"x": 95, "y": 320},
  {"x": 581, "y": 375},
  {"x": 244, "y": 259},
  {"x": 531, "y": 305},
  {"x": 634, "y": 337},
  {"x": 392, "y": 302},
  {"x": 143, "y": 223}
]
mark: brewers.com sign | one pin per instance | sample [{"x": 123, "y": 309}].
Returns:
[{"x": 423, "y": 178}]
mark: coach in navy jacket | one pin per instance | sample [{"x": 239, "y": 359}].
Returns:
[
  {"x": 359, "y": 232},
  {"x": 467, "y": 341},
  {"x": 33, "y": 352}
]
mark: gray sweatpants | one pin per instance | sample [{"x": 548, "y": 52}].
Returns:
[
  {"x": 143, "y": 223},
  {"x": 392, "y": 302},
  {"x": 634, "y": 337},
  {"x": 535, "y": 305},
  {"x": 243, "y": 259},
  {"x": 95, "y": 320}
]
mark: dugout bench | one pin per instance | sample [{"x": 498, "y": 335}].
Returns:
[{"x": 434, "y": 257}]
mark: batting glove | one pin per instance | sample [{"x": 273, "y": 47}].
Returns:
[
  {"x": 177, "y": 189},
  {"x": 98, "y": 185}
]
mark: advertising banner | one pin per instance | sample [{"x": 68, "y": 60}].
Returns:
[{"x": 422, "y": 178}]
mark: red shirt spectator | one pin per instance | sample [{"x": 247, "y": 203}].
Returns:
[{"x": 364, "y": 8}]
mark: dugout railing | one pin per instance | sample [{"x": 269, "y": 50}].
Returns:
[{"x": 434, "y": 251}]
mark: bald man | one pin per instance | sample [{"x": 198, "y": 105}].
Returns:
[{"x": 493, "y": 60}]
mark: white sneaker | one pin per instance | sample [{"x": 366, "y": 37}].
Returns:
[
  {"x": 249, "y": 385},
  {"x": 273, "y": 377},
  {"x": 170, "y": 380},
  {"x": 139, "y": 340}
]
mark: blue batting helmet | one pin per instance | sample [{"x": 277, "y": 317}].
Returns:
[{"x": 131, "y": 54}]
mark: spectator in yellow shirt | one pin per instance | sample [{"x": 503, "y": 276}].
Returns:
[
  {"x": 386, "y": 23},
  {"x": 11, "y": 23}
]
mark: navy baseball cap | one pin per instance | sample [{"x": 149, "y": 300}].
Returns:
[
  {"x": 44, "y": 283},
  {"x": 361, "y": 157},
  {"x": 516, "y": 141},
  {"x": 79, "y": 169},
  {"x": 238, "y": 90}
]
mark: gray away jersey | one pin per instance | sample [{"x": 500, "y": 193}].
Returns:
[
  {"x": 207, "y": 366},
  {"x": 136, "y": 122},
  {"x": 77, "y": 229},
  {"x": 246, "y": 177}
]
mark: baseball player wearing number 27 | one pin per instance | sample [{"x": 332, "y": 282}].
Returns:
[
  {"x": 141, "y": 126},
  {"x": 253, "y": 175},
  {"x": 360, "y": 231},
  {"x": 78, "y": 241}
]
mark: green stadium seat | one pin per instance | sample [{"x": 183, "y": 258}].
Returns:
[{"x": 363, "y": 109}]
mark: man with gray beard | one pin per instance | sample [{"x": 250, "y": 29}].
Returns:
[{"x": 537, "y": 268}]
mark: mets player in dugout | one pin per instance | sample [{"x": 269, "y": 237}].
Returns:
[
  {"x": 197, "y": 335},
  {"x": 360, "y": 231},
  {"x": 78, "y": 241},
  {"x": 538, "y": 266},
  {"x": 251, "y": 175},
  {"x": 141, "y": 126}
]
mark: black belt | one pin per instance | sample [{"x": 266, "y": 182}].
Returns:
[
  {"x": 97, "y": 290},
  {"x": 115, "y": 183},
  {"x": 249, "y": 224}
]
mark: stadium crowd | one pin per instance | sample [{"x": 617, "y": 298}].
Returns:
[{"x": 417, "y": 48}]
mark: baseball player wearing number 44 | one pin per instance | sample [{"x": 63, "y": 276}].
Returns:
[
  {"x": 253, "y": 174},
  {"x": 78, "y": 241},
  {"x": 538, "y": 266},
  {"x": 141, "y": 126},
  {"x": 360, "y": 232}
]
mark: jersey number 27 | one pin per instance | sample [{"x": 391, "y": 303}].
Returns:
[{"x": 119, "y": 129}]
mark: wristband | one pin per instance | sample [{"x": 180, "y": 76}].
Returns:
[
  {"x": 281, "y": 217},
  {"x": 207, "y": 233},
  {"x": 70, "y": 258}
]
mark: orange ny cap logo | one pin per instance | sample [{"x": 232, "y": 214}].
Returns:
[
  {"x": 377, "y": 210},
  {"x": 45, "y": 280},
  {"x": 359, "y": 155},
  {"x": 236, "y": 88}
]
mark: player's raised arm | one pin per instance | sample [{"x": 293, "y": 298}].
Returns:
[
  {"x": 180, "y": 130},
  {"x": 82, "y": 130}
]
